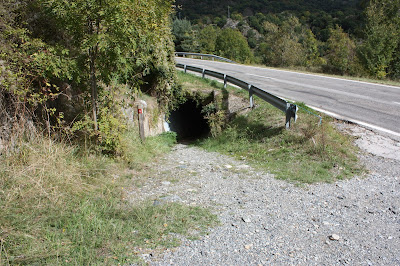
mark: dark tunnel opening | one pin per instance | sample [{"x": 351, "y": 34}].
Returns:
[{"x": 188, "y": 122}]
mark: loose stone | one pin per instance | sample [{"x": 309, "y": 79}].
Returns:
[{"x": 334, "y": 237}]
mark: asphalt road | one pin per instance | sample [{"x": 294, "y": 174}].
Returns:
[{"x": 372, "y": 105}]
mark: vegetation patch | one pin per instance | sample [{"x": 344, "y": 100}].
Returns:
[
  {"x": 354, "y": 38},
  {"x": 60, "y": 205},
  {"x": 309, "y": 152}
]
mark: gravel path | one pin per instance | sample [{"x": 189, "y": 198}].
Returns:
[{"x": 267, "y": 221}]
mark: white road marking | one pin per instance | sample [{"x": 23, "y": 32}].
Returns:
[
  {"x": 321, "y": 76},
  {"x": 367, "y": 125},
  {"x": 313, "y": 75},
  {"x": 351, "y": 95},
  {"x": 258, "y": 76}
]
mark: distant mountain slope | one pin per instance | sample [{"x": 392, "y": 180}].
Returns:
[{"x": 194, "y": 9}]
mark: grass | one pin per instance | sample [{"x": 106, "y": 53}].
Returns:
[
  {"x": 307, "y": 153},
  {"x": 191, "y": 82},
  {"x": 60, "y": 205}
]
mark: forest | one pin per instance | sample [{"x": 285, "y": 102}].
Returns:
[
  {"x": 64, "y": 63},
  {"x": 356, "y": 38}
]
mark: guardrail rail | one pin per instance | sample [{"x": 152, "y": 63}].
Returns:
[
  {"x": 213, "y": 57},
  {"x": 288, "y": 108}
]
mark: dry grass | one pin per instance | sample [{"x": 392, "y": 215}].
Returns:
[{"x": 60, "y": 205}]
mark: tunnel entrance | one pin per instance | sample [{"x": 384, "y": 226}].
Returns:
[{"x": 188, "y": 122}]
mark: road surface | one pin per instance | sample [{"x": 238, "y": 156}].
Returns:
[{"x": 372, "y": 105}]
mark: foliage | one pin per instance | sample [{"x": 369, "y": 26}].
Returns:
[
  {"x": 382, "y": 36},
  {"x": 341, "y": 52},
  {"x": 185, "y": 36},
  {"x": 29, "y": 65},
  {"x": 109, "y": 37},
  {"x": 311, "y": 49},
  {"x": 232, "y": 44},
  {"x": 394, "y": 67},
  {"x": 111, "y": 121},
  {"x": 282, "y": 43},
  {"x": 305, "y": 34},
  {"x": 54, "y": 54},
  {"x": 208, "y": 38}
]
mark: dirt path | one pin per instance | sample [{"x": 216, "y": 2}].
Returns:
[{"x": 267, "y": 221}]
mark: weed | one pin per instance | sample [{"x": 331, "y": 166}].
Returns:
[
  {"x": 60, "y": 205},
  {"x": 309, "y": 152}
]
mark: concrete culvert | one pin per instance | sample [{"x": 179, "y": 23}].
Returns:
[{"x": 188, "y": 122}]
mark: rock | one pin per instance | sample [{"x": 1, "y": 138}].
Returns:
[
  {"x": 228, "y": 166},
  {"x": 166, "y": 183},
  {"x": 246, "y": 219},
  {"x": 171, "y": 198},
  {"x": 249, "y": 246},
  {"x": 203, "y": 253},
  {"x": 393, "y": 210},
  {"x": 334, "y": 237}
]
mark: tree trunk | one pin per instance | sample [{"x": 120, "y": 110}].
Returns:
[{"x": 93, "y": 83}]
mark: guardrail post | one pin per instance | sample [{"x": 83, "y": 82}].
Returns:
[
  {"x": 291, "y": 112},
  {"x": 224, "y": 81},
  {"x": 184, "y": 68},
  {"x": 251, "y": 96},
  {"x": 203, "y": 74}
]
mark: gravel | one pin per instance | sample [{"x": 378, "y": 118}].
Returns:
[{"x": 268, "y": 221}]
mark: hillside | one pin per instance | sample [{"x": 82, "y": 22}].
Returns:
[
  {"x": 353, "y": 37},
  {"x": 196, "y": 9}
]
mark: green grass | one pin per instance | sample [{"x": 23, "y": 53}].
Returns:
[
  {"x": 192, "y": 82},
  {"x": 60, "y": 205},
  {"x": 307, "y": 153}
]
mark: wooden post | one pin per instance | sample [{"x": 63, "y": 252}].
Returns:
[
  {"x": 141, "y": 124},
  {"x": 251, "y": 97},
  {"x": 141, "y": 107}
]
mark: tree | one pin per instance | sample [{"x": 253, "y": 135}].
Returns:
[
  {"x": 394, "y": 67},
  {"x": 114, "y": 39},
  {"x": 310, "y": 46},
  {"x": 185, "y": 36},
  {"x": 341, "y": 51},
  {"x": 207, "y": 39},
  {"x": 232, "y": 44},
  {"x": 282, "y": 46},
  {"x": 381, "y": 36}
]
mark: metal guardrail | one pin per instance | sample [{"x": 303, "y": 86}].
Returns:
[
  {"x": 213, "y": 57},
  {"x": 288, "y": 108}
]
